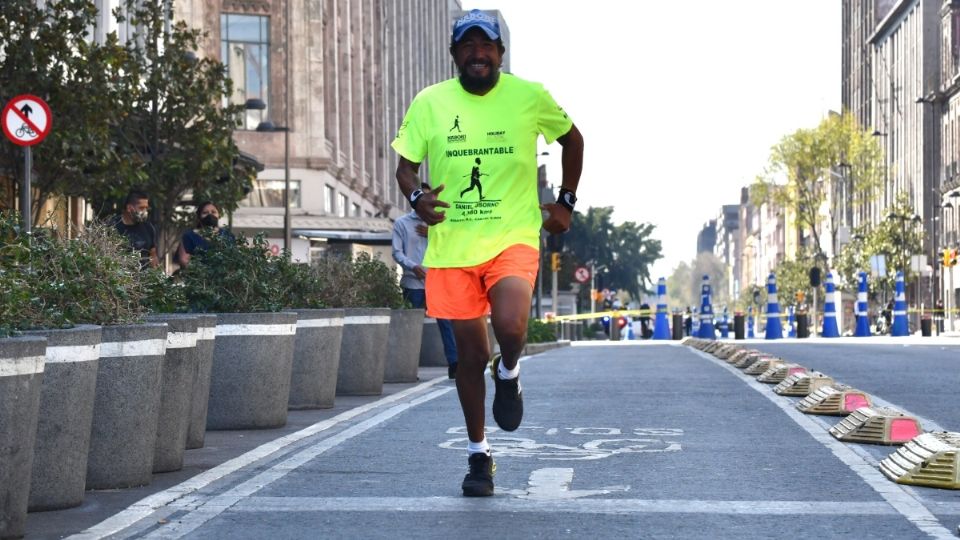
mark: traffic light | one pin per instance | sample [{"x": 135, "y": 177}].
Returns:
[
  {"x": 949, "y": 257},
  {"x": 555, "y": 261},
  {"x": 953, "y": 257}
]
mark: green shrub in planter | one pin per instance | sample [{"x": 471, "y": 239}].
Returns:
[
  {"x": 364, "y": 282},
  {"x": 232, "y": 276},
  {"x": 161, "y": 293},
  {"x": 540, "y": 332},
  {"x": 91, "y": 279}
]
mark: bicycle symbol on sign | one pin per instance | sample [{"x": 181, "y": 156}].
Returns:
[{"x": 24, "y": 131}]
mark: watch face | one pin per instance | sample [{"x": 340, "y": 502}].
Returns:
[
  {"x": 570, "y": 198},
  {"x": 416, "y": 193}
]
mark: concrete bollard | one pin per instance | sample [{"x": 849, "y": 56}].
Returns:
[
  {"x": 206, "y": 333},
  {"x": 21, "y": 375},
  {"x": 431, "y": 345},
  {"x": 252, "y": 361},
  {"x": 316, "y": 358},
  {"x": 126, "y": 406},
  {"x": 179, "y": 377},
  {"x": 363, "y": 352},
  {"x": 403, "y": 351},
  {"x": 66, "y": 413}
]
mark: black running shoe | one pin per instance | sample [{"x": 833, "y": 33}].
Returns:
[
  {"x": 508, "y": 399},
  {"x": 479, "y": 481}
]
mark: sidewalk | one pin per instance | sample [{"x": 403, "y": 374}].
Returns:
[{"x": 219, "y": 447}]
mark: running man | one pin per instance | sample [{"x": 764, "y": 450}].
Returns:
[
  {"x": 475, "y": 175},
  {"x": 483, "y": 260}
]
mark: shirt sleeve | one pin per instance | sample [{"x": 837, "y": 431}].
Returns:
[
  {"x": 399, "y": 235},
  {"x": 411, "y": 142},
  {"x": 552, "y": 120}
]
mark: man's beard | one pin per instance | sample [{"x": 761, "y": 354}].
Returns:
[{"x": 478, "y": 84}]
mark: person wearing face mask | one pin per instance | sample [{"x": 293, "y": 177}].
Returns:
[
  {"x": 134, "y": 225},
  {"x": 207, "y": 224}
]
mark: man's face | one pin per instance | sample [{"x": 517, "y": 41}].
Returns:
[
  {"x": 139, "y": 210},
  {"x": 478, "y": 59}
]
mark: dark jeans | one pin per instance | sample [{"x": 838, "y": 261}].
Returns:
[{"x": 418, "y": 299}]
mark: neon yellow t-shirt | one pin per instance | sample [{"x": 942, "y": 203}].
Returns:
[{"x": 483, "y": 150}]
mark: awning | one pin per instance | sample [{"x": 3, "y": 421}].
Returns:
[{"x": 366, "y": 237}]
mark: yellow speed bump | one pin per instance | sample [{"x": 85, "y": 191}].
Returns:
[
  {"x": 776, "y": 374},
  {"x": 802, "y": 384},
  {"x": 836, "y": 400},
  {"x": 752, "y": 358},
  {"x": 739, "y": 355},
  {"x": 929, "y": 459},
  {"x": 877, "y": 425},
  {"x": 763, "y": 364}
]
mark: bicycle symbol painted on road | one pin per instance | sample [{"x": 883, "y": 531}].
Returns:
[{"x": 635, "y": 442}]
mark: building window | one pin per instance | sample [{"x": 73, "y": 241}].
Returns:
[
  {"x": 356, "y": 210},
  {"x": 343, "y": 205},
  {"x": 269, "y": 194},
  {"x": 328, "y": 194},
  {"x": 245, "y": 52}
]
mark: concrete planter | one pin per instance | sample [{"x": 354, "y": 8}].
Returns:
[
  {"x": 403, "y": 352},
  {"x": 66, "y": 413},
  {"x": 179, "y": 377},
  {"x": 316, "y": 357},
  {"x": 126, "y": 406},
  {"x": 431, "y": 345},
  {"x": 252, "y": 361},
  {"x": 206, "y": 332},
  {"x": 21, "y": 375},
  {"x": 363, "y": 352}
]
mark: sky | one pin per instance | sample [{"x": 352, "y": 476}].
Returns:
[{"x": 679, "y": 103}]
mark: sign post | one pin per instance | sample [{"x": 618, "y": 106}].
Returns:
[{"x": 26, "y": 121}]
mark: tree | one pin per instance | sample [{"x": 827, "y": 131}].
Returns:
[
  {"x": 808, "y": 160},
  {"x": 47, "y": 51},
  {"x": 626, "y": 250},
  {"x": 684, "y": 284},
  {"x": 176, "y": 131}
]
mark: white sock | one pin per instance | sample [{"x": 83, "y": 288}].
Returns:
[
  {"x": 478, "y": 447},
  {"x": 507, "y": 374}
]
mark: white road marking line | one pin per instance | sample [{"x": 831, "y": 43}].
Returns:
[
  {"x": 903, "y": 501},
  {"x": 576, "y": 506},
  {"x": 209, "y": 508},
  {"x": 554, "y": 484},
  {"x": 148, "y": 505}
]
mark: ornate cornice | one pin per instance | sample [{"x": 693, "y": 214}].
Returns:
[{"x": 246, "y": 6}]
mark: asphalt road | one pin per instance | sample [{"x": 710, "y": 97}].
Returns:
[{"x": 619, "y": 440}]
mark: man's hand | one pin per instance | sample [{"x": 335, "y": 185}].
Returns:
[
  {"x": 558, "y": 220},
  {"x": 428, "y": 204},
  {"x": 421, "y": 230},
  {"x": 420, "y": 272}
]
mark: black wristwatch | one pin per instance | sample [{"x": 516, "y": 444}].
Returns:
[
  {"x": 567, "y": 199},
  {"x": 414, "y": 197}
]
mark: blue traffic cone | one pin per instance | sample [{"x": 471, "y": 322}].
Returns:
[
  {"x": 724, "y": 325},
  {"x": 791, "y": 322},
  {"x": 750, "y": 334},
  {"x": 706, "y": 330},
  {"x": 863, "y": 320},
  {"x": 661, "y": 327},
  {"x": 830, "y": 310},
  {"x": 773, "y": 330},
  {"x": 900, "y": 325}
]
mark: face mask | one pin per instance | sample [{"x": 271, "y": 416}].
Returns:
[
  {"x": 141, "y": 216},
  {"x": 210, "y": 220}
]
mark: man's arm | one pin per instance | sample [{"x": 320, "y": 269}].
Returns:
[
  {"x": 427, "y": 204},
  {"x": 572, "y": 161}
]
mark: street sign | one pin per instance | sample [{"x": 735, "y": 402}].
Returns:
[
  {"x": 582, "y": 274},
  {"x": 26, "y": 120}
]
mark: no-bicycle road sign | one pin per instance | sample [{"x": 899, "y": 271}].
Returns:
[{"x": 26, "y": 120}]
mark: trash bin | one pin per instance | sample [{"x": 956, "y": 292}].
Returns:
[
  {"x": 739, "y": 325},
  {"x": 803, "y": 329},
  {"x": 677, "y": 326},
  {"x": 926, "y": 326}
]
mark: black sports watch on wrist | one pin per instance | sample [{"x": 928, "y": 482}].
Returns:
[
  {"x": 415, "y": 197},
  {"x": 567, "y": 199}
]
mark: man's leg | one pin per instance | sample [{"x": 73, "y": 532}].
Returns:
[
  {"x": 416, "y": 297},
  {"x": 473, "y": 352},
  {"x": 510, "y": 309}
]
